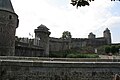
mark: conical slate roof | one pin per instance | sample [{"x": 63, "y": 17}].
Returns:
[
  {"x": 107, "y": 30},
  {"x": 43, "y": 27},
  {"x": 6, "y": 5}
]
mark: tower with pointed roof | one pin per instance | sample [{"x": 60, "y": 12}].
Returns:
[
  {"x": 8, "y": 24},
  {"x": 107, "y": 35},
  {"x": 42, "y": 32},
  {"x": 91, "y": 36}
]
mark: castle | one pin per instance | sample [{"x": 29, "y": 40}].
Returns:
[
  {"x": 42, "y": 44},
  {"x": 32, "y": 67}
]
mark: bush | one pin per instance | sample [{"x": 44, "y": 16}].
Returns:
[
  {"x": 107, "y": 49},
  {"x": 72, "y": 54},
  {"x": 57, "y": 54},
  {"x": 88, "y": 55},
  {"x": 112, "y": 49},
  {"x": 83, "y": 56}
]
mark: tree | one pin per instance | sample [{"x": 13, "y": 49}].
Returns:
[
  {"x": 107, "y": 49},
  {"x": 117, "y": 49},
  {"x": 66, "y": 35},
  {"x": 80, "y": 3},
  {"x": 113, "y": 49}
]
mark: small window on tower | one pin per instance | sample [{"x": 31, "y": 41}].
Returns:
[{"x": 10, "y": 16}]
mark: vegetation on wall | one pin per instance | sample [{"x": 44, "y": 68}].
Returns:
[
  {"x": 87, "y": 52},
  {"x": 72, "y": 54},
  {"x": 107, "y": 49},
  {"x": 82, "y": 56},
  {"x": 112, "y": 49}
]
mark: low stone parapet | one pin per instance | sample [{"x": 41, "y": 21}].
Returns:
[{"x": 26, "y": 68}]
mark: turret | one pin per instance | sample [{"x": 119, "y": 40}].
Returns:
[
  {"x": 8, "y": 24},
  {"x": 107, "y": 35},
  {"x": 91, "y": 36},
  {"x": 42, "y": 32}
]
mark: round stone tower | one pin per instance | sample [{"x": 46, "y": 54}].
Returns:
[
  {"x": 8, "y": 24},
  {"x": 107, "y": 36},
  {"x": 42, "y": 32}
]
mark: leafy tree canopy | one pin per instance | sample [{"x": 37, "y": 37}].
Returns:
[
  {"x": 66, "y": 35},
  {"x": 80, "y": 3},
  {"x": 107, "y": 49},
  {"x": 113, "y": 49}
]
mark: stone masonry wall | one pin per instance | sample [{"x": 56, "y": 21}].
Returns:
[
  {"x": 14, "y": 69},
  {"x": 57, "y": 44},
  {"x": 8, "y": 25}
]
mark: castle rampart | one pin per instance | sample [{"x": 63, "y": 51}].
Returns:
[
  {"x": 59, "y": 44},
  {"x": 21, "y": 68}
]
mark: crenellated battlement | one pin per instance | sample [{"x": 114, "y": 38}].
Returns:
[
  {"x": 53, "y": 39},
  {"x": 79, "y": 39}
]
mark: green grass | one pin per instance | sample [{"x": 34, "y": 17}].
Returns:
[
  {"x": 82, "y": 56},
  {"x": 72, "y": 54}
]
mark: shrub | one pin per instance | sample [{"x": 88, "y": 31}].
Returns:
[
  {"x": 88, "y": 55},
  {"x": 71, "y": 56},
  {"x": 82, "y": 56},
  {"x": 107, "y": 49}
]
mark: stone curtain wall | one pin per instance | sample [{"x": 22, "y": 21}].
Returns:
[
  {"x": 33, "y": 69},
  {"x": 57, "y": 44}
]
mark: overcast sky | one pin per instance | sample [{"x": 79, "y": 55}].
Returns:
[{"x": 60, "y": 15}]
